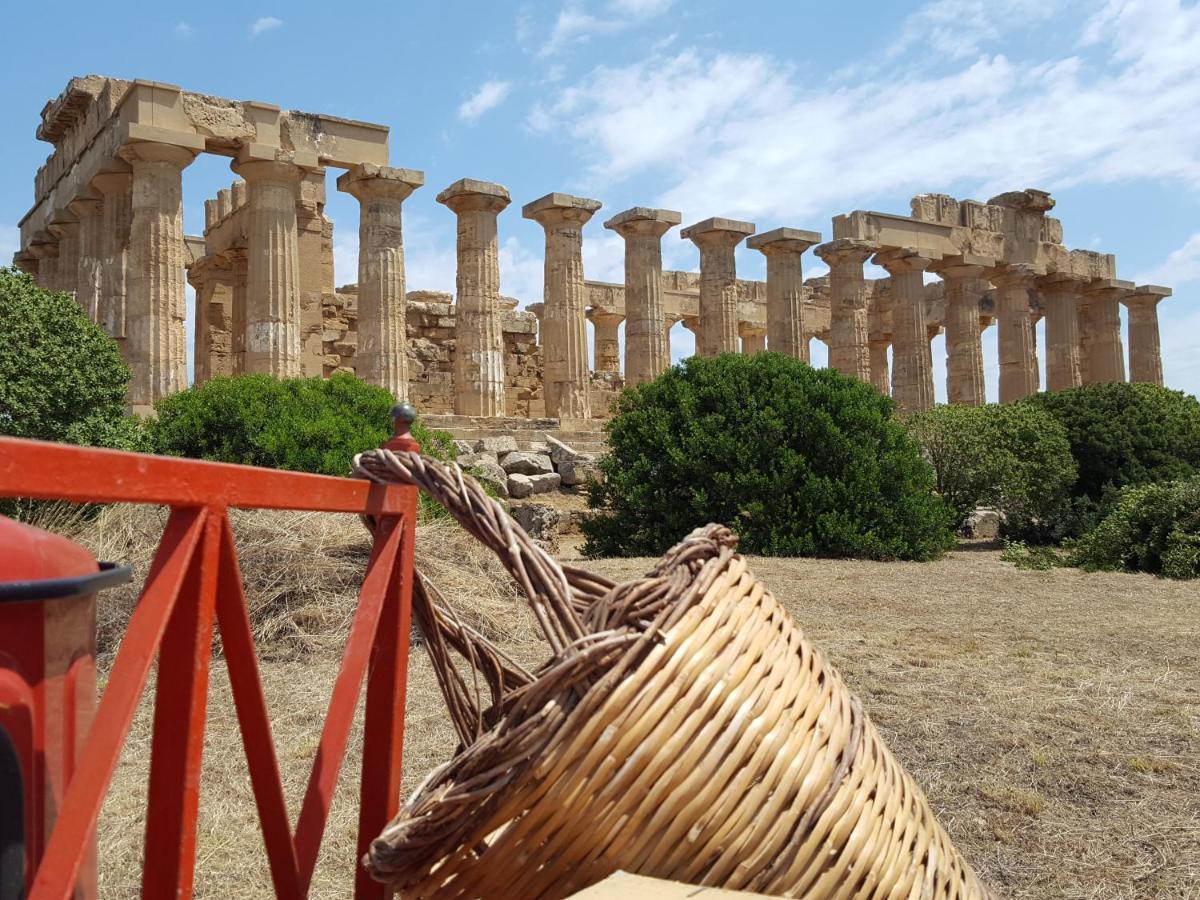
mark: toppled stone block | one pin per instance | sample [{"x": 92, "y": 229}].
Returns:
[
  {"x": 486, "y": 469},
  {"x": 524, "y": 462},
  {"x": 497, "y": 445},
  {"x": 578, "y": 471},
  {"x": 519, "y": 486},
  {"x": 543, "y": 484},
  {"x": 560, "y": 452},
  {"x": 539, "y": 520},
  {"x": 464, "y": 447},
  {"x": 982, "y": 524},
  {"x": 471, "y": 459}
]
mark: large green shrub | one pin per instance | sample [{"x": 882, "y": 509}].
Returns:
[
  {"x": 1124, "y": 434},
  {"x": 61, "y": 376},
  {"x": 1013, "y": 457},
  {"x": 1150, "y": 528},
  {"x": 797, "y": 461},
  {"x": 303, "y": 424}
]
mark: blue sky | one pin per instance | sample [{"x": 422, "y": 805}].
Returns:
[{"x": 783, "y": 113}]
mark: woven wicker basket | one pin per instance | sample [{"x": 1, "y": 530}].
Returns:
[{"x": 683, "y": 728}]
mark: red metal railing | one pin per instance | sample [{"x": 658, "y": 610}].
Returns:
[{"x": 193, "y": 582}]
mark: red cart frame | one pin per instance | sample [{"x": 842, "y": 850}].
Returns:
[{"x": 193, "y": 582}]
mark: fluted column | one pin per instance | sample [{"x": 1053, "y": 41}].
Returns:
[
  {"x": 155, "y": 299},
  {"x": 783, "y": 248},
  {"x": 849, "y": 350},
  {"x": 964, "y": 285},
  {"x": 754, "y": 337},
  {"x": 479, "y": 354},
  {"x": 607, "y": 348},
  {"x": 647, "y": 349},
  {"x": 212, "y": 354},
  {"x": 273, "y": 267},
  {"x": 1060, "y": 297},
  {"x": 382, "y": 357},
  {"x": 1145, "y": 354},
  {"x": 1105, "y": 349},
  {"x": 564, "y": 348},
  {"x": 239, "y": 268},
  {"x": 1015, "y": 339},
  {"x": 880, "y": 376},
  {"x": 716, "y": 239},
  {"x": 66, "y": 271},
  {"x": 912, "y": 373},
  {"x": 117, "y": 189},
  {"x": 90, "y": 264}
]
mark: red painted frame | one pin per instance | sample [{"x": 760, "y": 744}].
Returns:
[{"x": 193, "y": 583}]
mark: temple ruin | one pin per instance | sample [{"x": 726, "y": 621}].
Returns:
[{"x": 107, "y": 227}]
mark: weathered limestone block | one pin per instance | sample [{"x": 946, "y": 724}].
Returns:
[
  {"x": 498, "y": 445},
  {"x": 647, "y": 349},
  {"x": 539, "y": 521},
  {"x": 564, "y": 332},
  {"x": 577, "y": 471},
  {"x": 783, "y": 248},
  {"x": 479, "y": 358},
  {"x": 544, "y": 483},
  {"x": 521, "y": 462},
  {"x": 716, "y": 239},
  {"x": 382, "y": 332}
]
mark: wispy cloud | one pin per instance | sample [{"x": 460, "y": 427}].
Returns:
[
  {"x": 489, "y": 95},
  {"x": 183, "y": 30},
  {"x": 264, "y": 24},
  {"x": 1182, "y": 266},
  {"x": 574, "y": 24}
]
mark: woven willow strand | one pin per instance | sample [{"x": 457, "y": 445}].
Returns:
[{"x": 683, "y": 728}]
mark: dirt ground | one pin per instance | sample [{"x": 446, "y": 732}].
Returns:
[{"x": 1053, "y": 718}]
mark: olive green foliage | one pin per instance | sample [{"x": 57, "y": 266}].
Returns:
[
  {"x": 1149, "y": 528},
  {"x": 302, "y": 424},
  {"x": 1012, "y": 457},
  {"x": 797, "y": 461},
  {"x": 61, "y": 377},
  {"x": 1037, "y": 558},
  {"x": 1124, "y": 434}
]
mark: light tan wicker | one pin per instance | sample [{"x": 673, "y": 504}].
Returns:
[{"x": 683, "y": 729}]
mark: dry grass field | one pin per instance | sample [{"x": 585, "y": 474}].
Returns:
[{"x": 1052, "y": 717}]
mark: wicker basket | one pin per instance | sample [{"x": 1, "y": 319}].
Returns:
[{"x": 683, "y": 728}]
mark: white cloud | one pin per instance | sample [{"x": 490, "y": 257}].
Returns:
[
  {"x": 183, "y": 30},
  {"x": 264, "y": 23},
  {"x": 490, "y": 95},
  {"x": 640, "y": 9},
  {"x": 1180, "y": 267},
  {"x": 575, "y": 25},
  {"x": 960, "y": 28}
]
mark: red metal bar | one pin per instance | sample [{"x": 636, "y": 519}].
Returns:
[
  {"x": 49, "y": 471},
  {"x": 181, "y": 700},
  {"x": 383, "y": 731},
  {"x": 332, "y": 748},
  {"x": 237, "y": 639},
  {"x": 84, "y": 796}
]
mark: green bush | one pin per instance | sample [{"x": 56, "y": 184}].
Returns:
[
  {"x": 302, "y": 424},
  {"x": 1012, "y": 457},
  {"x": 61, "y": 376},
  {"x": 797, "y": 461},
  {"x": 1123, "y": 434},
  {"x": 1150, "y": 528}
]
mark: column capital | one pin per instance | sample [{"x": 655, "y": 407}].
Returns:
[
  {"x": 642, "y": 220},
  {"x": 899, "y": 260},
  {"x": 1014, "y": 274},
  {"x": 783, "y": 240},
  {"x": 846, "y": 250},
  {"x": 86, "y": 206},
  {"x": 751, "y": 329},
  {"x": 717, "y": 232},
  {"x": 557, "y": 210},
  {"x": 598, "y": 315},
  {"x": 1147, "y": 295},
  {"x": 467, "y": 195},
  {"x": 113, "y": 182},
  {"x": 153, "y": 151},
  {"x": 268, "y": 170},
  {"x": 368, "y": 181},
  {"x": 965, "y": 266},
  {"x": 1108, "y": 288},
  {"x": 1060, "y": 283}
]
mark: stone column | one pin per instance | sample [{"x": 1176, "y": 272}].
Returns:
[
  {"x": 783, "y": 248},
  {"x": 880, "y": 377},
  {"x": 155, "y": 300},
  {"x": 117, "y": 189},
  {"x": 479, "y": 355},
  {"x": 716, "y": 239},
  {"x": 1014, "y": 324},
  {"x": 315, "y": 257},
  {"x": 647, "y": 348},
  {"x": 754, "y": 337},
  {"x": 1145, "y": 355},
  {"x": 564, "y": 347},
  {"x": 382, "y": 357},
  {"x": 849, "y": 350},
  {"x": 1105, "y": 349},
  {"x": 1060, "y": 299},
  {"x": 90, "y": 269},
  {"x": 212, "y": 279},
  {"x": 66, "y": 271},
  {"x": 964, "y": 285},
  {"x": 912, "y": 374},
  {"x": 239, "y": 268},
  {"x": 607, "y": 349}
]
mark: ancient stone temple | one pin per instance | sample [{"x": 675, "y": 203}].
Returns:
[{"x": 107, "y": 226}]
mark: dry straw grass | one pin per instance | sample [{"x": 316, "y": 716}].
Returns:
[{"x": 1052, "y": 717}]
